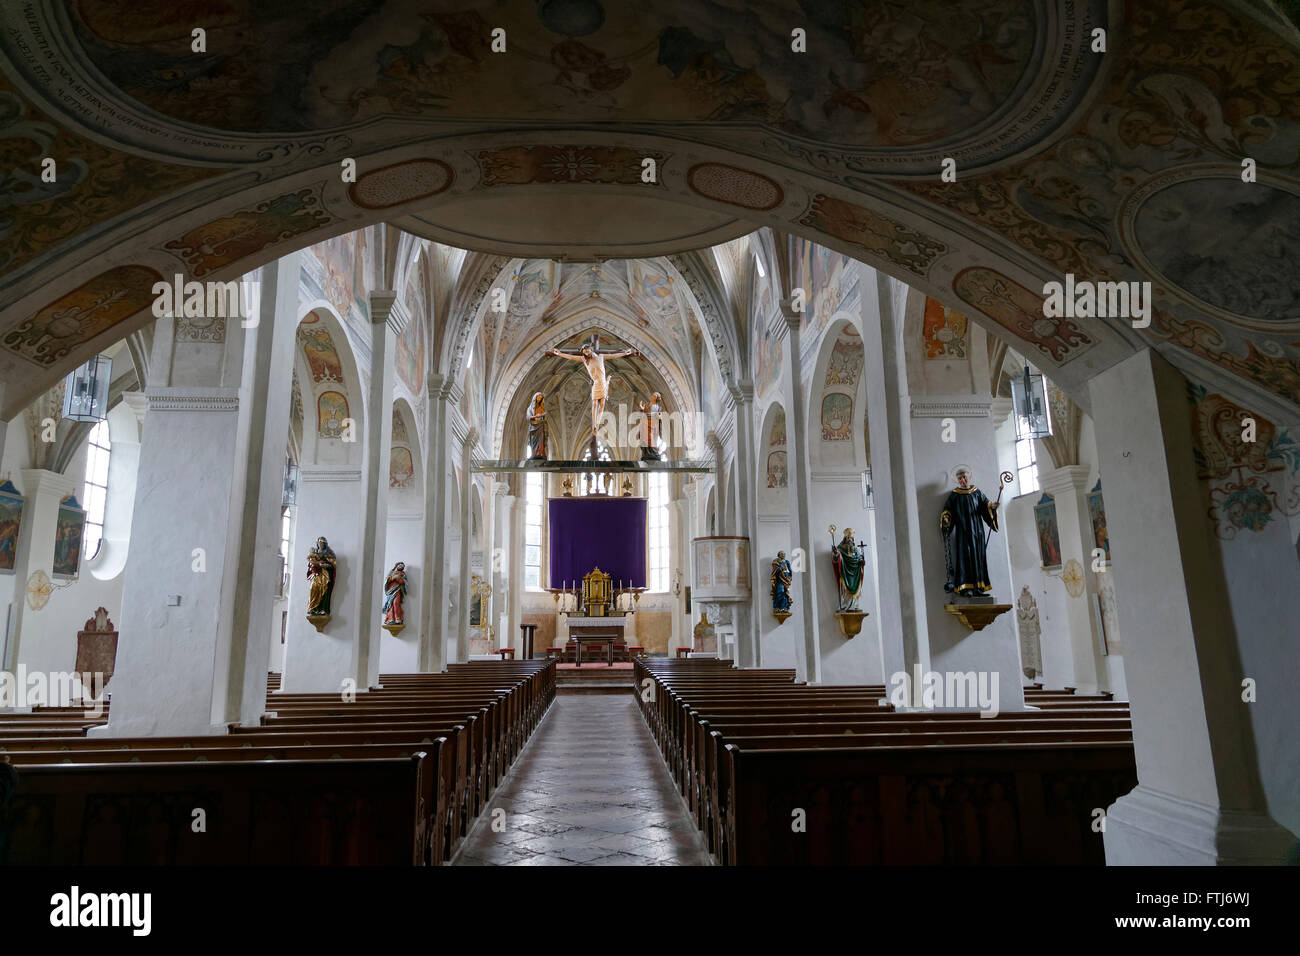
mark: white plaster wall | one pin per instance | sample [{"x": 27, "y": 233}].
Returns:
[
  {"x": 52, "y": 646},
  {"x": 398, "y": 653},
  {"x": 855, "y": 660},
  {"x": 1262, "y": 572},
  {"x": 779, "y": 642}
]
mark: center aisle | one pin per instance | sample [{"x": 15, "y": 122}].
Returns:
[{"x": 590, "y": 789}]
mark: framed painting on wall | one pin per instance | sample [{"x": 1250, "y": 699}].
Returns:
[
  {"x": 1097, "y": 513},
  {"x": 11, "y": 521},
  {"x": 68, "y": 531},
  {"x": 1049, "y": 535}
]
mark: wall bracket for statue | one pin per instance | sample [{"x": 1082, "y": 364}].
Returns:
[
  {"x": 976, "y": 617},
  {"x": 850, "y": 622}
]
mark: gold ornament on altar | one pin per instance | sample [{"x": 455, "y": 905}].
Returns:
[{"x": 597, "y": 593}]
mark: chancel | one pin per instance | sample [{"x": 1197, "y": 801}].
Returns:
[{"x": 506, "y": 487}]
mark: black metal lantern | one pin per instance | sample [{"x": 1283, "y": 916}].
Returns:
[
  {"x": 1029, "y": 393},
  {"x": 85, "y": 395}
]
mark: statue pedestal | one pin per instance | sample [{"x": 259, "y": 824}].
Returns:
[
  {"x": 976, "y": 612},
  {"x": 781, "y": 617},
  {"x": 319, "y": 621},
  {"x": 393, "y": 628},
  {"x": 850, "y": 622}
]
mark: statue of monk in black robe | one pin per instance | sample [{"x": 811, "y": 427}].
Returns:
[{"x": 962, "y": 522}]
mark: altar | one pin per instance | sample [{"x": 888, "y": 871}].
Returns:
[{"x": 606, "y": 630}]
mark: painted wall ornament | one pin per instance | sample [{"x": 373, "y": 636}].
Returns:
[
  {"x": 322, "y": 567},
  {"x": 394, "y": 596},
  {"x": 781, "y": 578},
  {"x": 1072, "y": 578},
  {"x": 961, "y": 523}
]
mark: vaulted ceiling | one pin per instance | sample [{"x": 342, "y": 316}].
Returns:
[{"x": 1117, "y": 164}]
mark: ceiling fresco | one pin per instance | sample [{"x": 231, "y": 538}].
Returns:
[{"x": 1123, "y": 164}]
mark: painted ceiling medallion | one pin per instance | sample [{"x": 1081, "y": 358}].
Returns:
[{"x": 1219, "y": 244}]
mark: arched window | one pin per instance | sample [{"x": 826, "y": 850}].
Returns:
[
  {"x": 98, "y": 449},
  {"x": 657, "y": 518},
  {"x": 533, "y": 490}
]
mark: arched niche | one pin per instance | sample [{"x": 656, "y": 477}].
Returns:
[
  {"x": 837, "y": 414},
  {"x": 329, "y": 381},
  {"x": 772, "y": 481},
  {"x": 406, "y": 463}
]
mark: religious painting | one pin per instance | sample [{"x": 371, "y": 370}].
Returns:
[
  {"x": 68, "y": 533},
  {"x": 1049, "y": 536},
  {"x": 1097, "y": 513},
  {"x": 777, "y": 476},
  {"x": 401, "y": 468},
  {"x": 777, "y": 439},
  {"x": 944, "y": 332},
  {"x": 846, "y": 359},
  {"x": 400, "y": 436},
  {"x": 11, "y": 520},
  {"x": 331, "y": 411},
  {"x": 322, "y": 357},
  {"x": 837, "y": 417},
  {"x": 409, "y": 357}
]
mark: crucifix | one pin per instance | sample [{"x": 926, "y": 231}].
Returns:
[{"x": 593, "y": 360}]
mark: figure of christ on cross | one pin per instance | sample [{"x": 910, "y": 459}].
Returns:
[{"x": 593, "y": 359}]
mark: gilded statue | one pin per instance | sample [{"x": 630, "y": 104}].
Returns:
[
  {"x": 781, "y": 579},
  {"x": 321, "y": 569}
]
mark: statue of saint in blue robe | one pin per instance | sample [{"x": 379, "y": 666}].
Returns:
[{"x": 961, "y": 523}]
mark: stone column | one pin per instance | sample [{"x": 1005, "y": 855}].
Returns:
[
  {"x": 808, "y": 662},
  {"x": 466, "y": 536},
  {"x": 899, "y": 583},
  {"x": 385, "y": 326},
  {"x": 433, "y": 592},
  {"x": 239, "y": 695},
  {"x": 31, "y": 645},
  {"x": 1069, "y": 487},
  {"x": 749, "y": 651},
  {"x": 1199, "y": 798}
]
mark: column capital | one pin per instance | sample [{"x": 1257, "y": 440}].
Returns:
[
  {"x": 179, "y": 399},
  {"x": 1062, "y": 480},
  {"x": 794, "y": 318},
  {"x": 1000, "y": 409},
  {"x": 944, "y": 407},
  {"x": 742, "y": 393},
  {"x": 41, "y": 481},
  {"x": 382, "y": 311}
]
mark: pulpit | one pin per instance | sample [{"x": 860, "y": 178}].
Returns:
[{"x": 97, "y": 646}]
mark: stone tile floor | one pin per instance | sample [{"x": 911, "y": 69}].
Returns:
[{"x": 590, "y": 789}]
